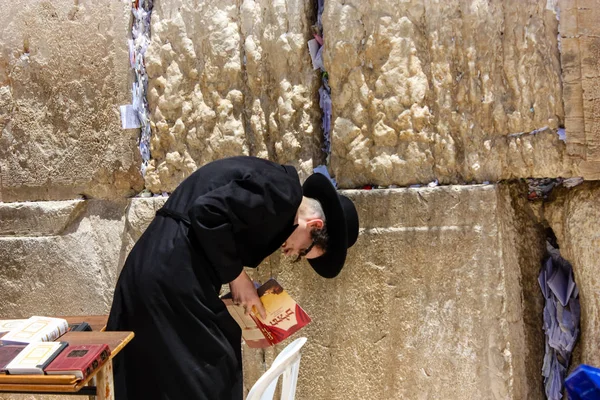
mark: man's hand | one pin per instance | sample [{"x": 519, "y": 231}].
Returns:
[{"x": 244, "y": 293}]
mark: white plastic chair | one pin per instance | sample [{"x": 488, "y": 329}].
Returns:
[{"x": 287, "y": 363}]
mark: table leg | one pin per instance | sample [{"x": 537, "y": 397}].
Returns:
[
  {"x": 104, "y": 382},
  {"x": 92, "y": 383}
]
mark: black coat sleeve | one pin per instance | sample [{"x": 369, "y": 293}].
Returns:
[{"x": 242, "y": 204}]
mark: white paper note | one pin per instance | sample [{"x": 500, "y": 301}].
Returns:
[
  {"x": 129, "y": 117},
  {"x": 313, "y": 49}
]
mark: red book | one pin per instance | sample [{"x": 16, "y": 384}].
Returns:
[
  {"x": 79, "y": 360},
  {"x": 284, "y": 316}
]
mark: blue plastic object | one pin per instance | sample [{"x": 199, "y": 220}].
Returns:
[{"x": 584, "y": 383}]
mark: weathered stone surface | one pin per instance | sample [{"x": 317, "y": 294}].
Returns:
[
  {"x": 63, "y": 74},
  {"x": 68, "y": 271},
  {"x": 580, "y": 62},
  {"x": 574, "y": 217},
  {"x": 140, "y": 213},
  {"x": 438, "y": 300},
  {"x": 416, "y": 95},
  {"x": 37, "y": 218},
  {"x": 523, "y": 244},
  {"x": 229, "y": 78},
  {"x": 426, "y": 90}
]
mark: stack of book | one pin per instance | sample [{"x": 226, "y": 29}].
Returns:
[{"x": 33, "y": 347}]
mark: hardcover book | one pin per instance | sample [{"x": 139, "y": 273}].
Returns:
[
  {"x": 8, "y": 353},
  {"x": 37, "y": 329},
  {"x": 34, "y": 358},
  {"x": 80, "y": 327},
  {"x": 7, "y": 325},
  {"x": 284, "y": 316},
  {"x": 79, "y": 360}
]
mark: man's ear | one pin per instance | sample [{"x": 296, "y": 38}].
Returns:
[{"x": 316, "y": 223}]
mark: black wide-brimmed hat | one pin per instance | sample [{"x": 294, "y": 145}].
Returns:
[{"x": 341, "y": 220}]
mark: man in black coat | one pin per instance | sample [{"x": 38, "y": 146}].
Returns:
[{"x": 228, "y": 214}]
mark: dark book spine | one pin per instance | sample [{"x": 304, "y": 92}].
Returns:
[{"x": 49, "y": 360}]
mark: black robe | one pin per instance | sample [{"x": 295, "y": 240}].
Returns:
[{"x": 228, "y": 214}]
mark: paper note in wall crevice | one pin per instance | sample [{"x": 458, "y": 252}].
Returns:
[
  {"x": 129, "y": 117},
  {"x": 315, "y": 55}
]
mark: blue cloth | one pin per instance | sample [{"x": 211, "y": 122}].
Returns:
[{"x": 322, "y": 169}]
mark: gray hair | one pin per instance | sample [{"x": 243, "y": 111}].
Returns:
[{"x": 314, "y": 208}]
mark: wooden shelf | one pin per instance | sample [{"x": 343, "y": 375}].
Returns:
[{"x": 115, "y": 340}]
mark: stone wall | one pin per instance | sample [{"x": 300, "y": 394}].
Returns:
[
  {"x": 416, "y": 95},
  {"x": 574, "y": 216},
  {"x": 426, "y": 90},
  {"x": 580, "y": 52},
  {"x": 229, "y": 78},
  {"x": 409, "y": 317},
  {"x": 60, "y": 257},
  {"x": 64, "y": 71},
  {"x": 440, "y": 296}
]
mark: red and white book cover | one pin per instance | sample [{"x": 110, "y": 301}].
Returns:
[
  {"x": 79, "y": 360},
  {"x": 284, "y": 316}
]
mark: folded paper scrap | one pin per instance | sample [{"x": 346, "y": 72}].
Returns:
[
  {"x": 584, "y": 383},
  {"x": 284, "y": 316}
]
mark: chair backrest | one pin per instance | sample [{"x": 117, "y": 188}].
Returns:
[{"x": 287, "y": 363}]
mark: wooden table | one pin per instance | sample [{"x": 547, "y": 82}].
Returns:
[{"x": 99, "y": 384}]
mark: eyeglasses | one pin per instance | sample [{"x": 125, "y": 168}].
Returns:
[{"x": 304, "y": 252}]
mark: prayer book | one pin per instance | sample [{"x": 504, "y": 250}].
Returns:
[
  {"x": 284, "y": 316},
  {"x": 79, "y": 360},
  {"x": 37, "y": 329},
  {"x": 7, "y": 325},
  {"x": 8, "y": 352},
  {"x": 34, "y": 358}
]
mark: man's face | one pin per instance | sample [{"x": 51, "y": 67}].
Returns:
[{"x": 300, "y": 240}]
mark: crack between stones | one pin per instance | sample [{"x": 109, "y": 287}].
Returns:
[{"x": 250, "y": 135}]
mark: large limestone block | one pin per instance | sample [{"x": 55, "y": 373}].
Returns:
[
  {"x": 438, "y": 300},
  {"x": 39, "y": 218},
  {"x": 64, "y": 71},
  {"x": 580, "y": 62},
  {"x": 67, "y": 264},
  {"x": 140, "y": 213},
  {"x": 229, "y": 78},
  {"x": 523, "y": 244},
  {"x": 575, "y": 216},
  {"x": 426, "y": 90}
]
